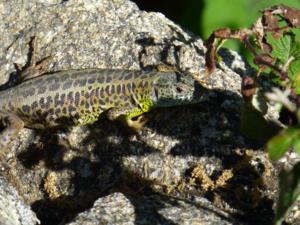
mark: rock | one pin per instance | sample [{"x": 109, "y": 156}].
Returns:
[
  {"x": 13, "y": 210},
  {"x": 119, "y": 209},
  {"x": 185, "y": 152}
]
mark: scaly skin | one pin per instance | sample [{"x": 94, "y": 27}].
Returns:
[{"x": 79, "y": 97}]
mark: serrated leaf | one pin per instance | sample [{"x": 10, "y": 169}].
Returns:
[
  {"x": 294, "y": 73},
  {"x": 279, "y": 144},
  {"x": 281, "y": 48},
  {"x": 289, "y": 186},
  {"x": 284, "y": 49},
  {"x": 295, "y": 51}
]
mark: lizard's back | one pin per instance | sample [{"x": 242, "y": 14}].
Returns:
[{"x": 74, "y": 96}]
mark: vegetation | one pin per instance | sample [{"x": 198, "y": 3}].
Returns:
[{"x": 274, "y": 44}]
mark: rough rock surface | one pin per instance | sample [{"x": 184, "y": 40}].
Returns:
[
  {"x": 183, "y": 152},
  {"x": 13, "y": 210},
  {"x": 119, "y": 209}
]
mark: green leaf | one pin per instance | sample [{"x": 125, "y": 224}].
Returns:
[
  {"x": 281, "y": 48},
  {"x": 295, "y": 51},
  {"x": 284, "y": 49},
  {"x": 296, "y": 146},
  {"x": 294, "y": 68},
  {"x": 294, "y": 74},
  {"x": 289, "y": 190},
  {"x": 279, "y": 144}
]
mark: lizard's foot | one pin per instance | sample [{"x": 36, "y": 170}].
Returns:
[
  {"x": 32, "y": 68},
  {"x": 137, "y": 123}
]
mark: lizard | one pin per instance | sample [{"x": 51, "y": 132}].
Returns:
[{"x": 81, "y": 96}]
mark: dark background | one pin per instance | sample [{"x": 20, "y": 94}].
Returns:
[{"x": 186, "y": 13}]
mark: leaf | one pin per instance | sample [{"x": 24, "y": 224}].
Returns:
[
  {"x": 289, "y": 190},
  {"x": 294, "y": 74},
  {"x": 296, "y": 80},
  {"x": 284, "y": 49},
  {"x": 279, "y": 144},
  {"x": 295, "y": 51},
  {"x": 281, "y": 48},
  {"x": 296, "y": 146},
  {"x": 294, "y": 68}
]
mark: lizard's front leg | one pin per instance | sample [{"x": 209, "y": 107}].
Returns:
[
  {"x": 136, "y": 122},
  {"x": 13, "y": 124}
]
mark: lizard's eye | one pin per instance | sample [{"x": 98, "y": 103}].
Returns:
[{"x": 179, "y": 90}]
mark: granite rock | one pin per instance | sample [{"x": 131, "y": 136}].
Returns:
[
  {"x": 117, "y": 208},
  {"x": 189, "y": 152},
  {"x": 13, "y": 210}
]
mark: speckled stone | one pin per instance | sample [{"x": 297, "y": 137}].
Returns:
[
  {"x": 120, "y": 209},
  {"x": 13, "y": 210},
  {"x": 183, "y": 152}
]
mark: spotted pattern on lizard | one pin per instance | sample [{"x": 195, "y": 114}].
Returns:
[{"x": 79, "y": 97}]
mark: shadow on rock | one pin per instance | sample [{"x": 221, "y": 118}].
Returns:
[{"x": 72, "y": 176}]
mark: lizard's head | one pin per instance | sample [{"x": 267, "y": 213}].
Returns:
[{"x": 172, "y": 89}]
